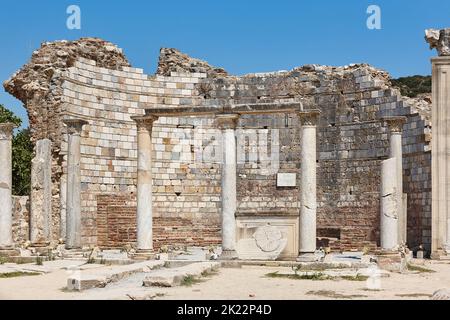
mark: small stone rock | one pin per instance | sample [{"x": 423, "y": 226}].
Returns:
[{"x": 442, "y": 294}]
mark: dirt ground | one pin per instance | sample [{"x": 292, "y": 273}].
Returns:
[{"x": 248, "y": 282}]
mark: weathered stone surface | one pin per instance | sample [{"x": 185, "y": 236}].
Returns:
[
  {"x": 440, "y": 153},
  {"x": 172, "y": 60},
  {"x": 439, "y": 40},
  {"x": 266, "y": 243},
  {"x": 144, "y": 184},
  {"x": 308, "y": 188},
  {"x": 73, "y": 205},
  {"x": 41, "y": 194},
  {"x": 6, "y": 237},
  {"x": 389, "y": 210},
  {"x": 174, "y": 276},
  {"x": 351, "y": 141},
  {"x": 100, "y": 277},
  {"x": 227, "y": 124},
  {"x": 39, "y": 85},
  {"x": 442, "y": 294},
  {"x": 21, "y": 218}
]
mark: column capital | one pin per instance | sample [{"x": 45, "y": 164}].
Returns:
[
  {"x": 395, "y": 124},
  {"x": 145, "y": 122},
  {"x": 309, "y": 117},
  {"x": 74, "y": 126},
  {"x": 6, "y": 130},
  {"x": 227, "y": 121}
]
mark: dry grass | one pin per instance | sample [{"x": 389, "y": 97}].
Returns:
[
  {"x": 413, "y": 295},
  {"x": 335, "y": 295},
  {"x": 15, "y": 274},
  {"x": 313, "y": 276},
  {"x": 416, "y": 268}
]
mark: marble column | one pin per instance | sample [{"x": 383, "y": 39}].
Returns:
[
  {"x": 144, "y": 184},
  {"x": 73, "y": 198},
  {"x": 388, "y": 208},
  {"x": 41, "y": 194},
  {"x": 395, "y": 125},
  {"x": 308, "y": 185},
  {"x": 6, "y": 133},
  {"x": 440, "y": 155},
  {"x": 440, "y": 149},
  {"x": 227, "y": 123}
]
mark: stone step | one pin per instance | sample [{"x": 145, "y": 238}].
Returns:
[
  {"x": 100, "y": 277},
  {"x": 173, "y": 277}
]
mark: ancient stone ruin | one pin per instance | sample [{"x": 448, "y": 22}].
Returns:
[{"x": 269, "y": 165}]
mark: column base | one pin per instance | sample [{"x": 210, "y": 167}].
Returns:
[
  {"x": 307, "y": 257},
  {"x": 439, "y": 255},
  {"x": 388, "y": 252},
  {"x": 143, "y": 254},
  {"x": 228, "y": 255}
]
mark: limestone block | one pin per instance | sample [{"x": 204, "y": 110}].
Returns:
[
  {"x": 442, "y": 294},
  {"x": 100, "y": 277},
  {"x": 41, "y": 193},
  {"x": 267, "y": 238},
  {"x": 174, "y": 277}
]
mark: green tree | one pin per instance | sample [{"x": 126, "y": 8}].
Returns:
[
  {"x": 22, "y": 154},
  {"x": 413, "y": 86},
  {"x": 8, "y": 116}
]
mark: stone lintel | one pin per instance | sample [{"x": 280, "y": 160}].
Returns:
[
  {"x": 74, "y": 126},
  {"x": 162, "y": 111},
  {"x": 395, "y": 124},
  {"x": 267, "y": 213},
  {"x": 257, "y": 108},
  {"x": 227, "y": 121},
  {"x": 262, "y": 108},
  {"x": 309, "y": 117},
  {"x": 6, "y": 130}
]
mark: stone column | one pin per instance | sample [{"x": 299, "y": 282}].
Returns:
[
  {"x": 388, "y": 209},
  {"x": 440, "y": 155},
  {"x": 41, "y": 194},
  {"x": 73, "y": 210},
  {"x": 395, "y": 125},
  {"x": 6, "y": 133},
  {"x": 227, "y": 123},
  {"x": 308, "y": 212},
  {"x": 440, "y": 149},
  {"x": 144, "y": 185}
]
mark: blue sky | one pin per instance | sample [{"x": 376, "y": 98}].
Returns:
[{"x": 241, "y": 36}]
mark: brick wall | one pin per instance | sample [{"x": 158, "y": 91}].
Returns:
[{"x": 116, "y": 226}]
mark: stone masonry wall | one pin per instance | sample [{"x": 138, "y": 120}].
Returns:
[
  {"x": 352, "y": 142},
  {"x": 21, "y": 216}
]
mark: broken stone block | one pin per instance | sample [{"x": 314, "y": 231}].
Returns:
[{"x": 442, "y": 294}]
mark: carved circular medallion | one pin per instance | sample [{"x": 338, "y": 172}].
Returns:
[{"x": 268, "y": 238}]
